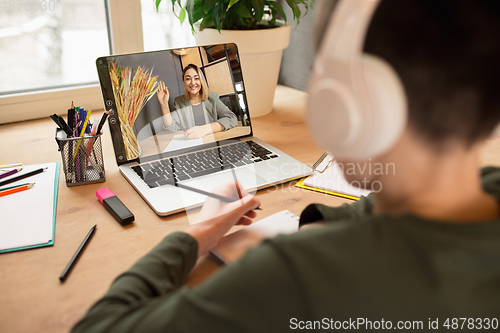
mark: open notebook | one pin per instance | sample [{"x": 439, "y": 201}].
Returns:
[
  {"x": 233, "y": 246},
  {"x": 28, "y": 218},
  {"x": 332, "y": 181}
]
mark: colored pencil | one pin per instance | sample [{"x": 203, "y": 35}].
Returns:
[
  {"x": 26, "y": 175},
  {"x": 14, "y": 186},
  {"x": 11, "y": 172},
  {"x": 16, "y": 189}
]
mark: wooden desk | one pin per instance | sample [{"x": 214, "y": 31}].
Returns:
[{"x": 31, "y": 297}]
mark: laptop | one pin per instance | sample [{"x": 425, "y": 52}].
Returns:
[{"x": 157, "y": 147}]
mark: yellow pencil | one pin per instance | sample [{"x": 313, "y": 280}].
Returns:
[{"x": 83, "y": 131}]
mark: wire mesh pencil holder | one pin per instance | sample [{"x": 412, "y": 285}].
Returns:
[{"x": 82, "y": 159}]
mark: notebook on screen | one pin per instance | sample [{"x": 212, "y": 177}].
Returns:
[{"x": 181, "y": 115}]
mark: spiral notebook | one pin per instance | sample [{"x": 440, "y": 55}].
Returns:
[
  {"x": 328, "y": 177},
  {"x": 233, "y": 246}
]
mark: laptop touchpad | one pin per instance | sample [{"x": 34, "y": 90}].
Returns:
[{"x": 247, "y": 178}]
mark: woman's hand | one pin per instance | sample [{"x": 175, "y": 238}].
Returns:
[
  {"x": 217, "y": 217},
  {"x": 163, "y": 94},
  {"x": 197, "y": 132}
]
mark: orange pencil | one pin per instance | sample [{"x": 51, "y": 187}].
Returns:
[{"x": 16, "y": 189}]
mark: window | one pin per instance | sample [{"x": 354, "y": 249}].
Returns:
[
  {"x": 162, "y": 29},
  {"x": 48, "y": 49},
  {"x": 47, "y": 44}
]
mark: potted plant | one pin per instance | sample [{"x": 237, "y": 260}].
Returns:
[{"x": 259, "y": 35}]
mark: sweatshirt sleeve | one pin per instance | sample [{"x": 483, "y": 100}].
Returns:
[
  {"x": 358, "y": 209},
  {"x": 246, "y": 296},
  {"x": 161, "y": 271}
]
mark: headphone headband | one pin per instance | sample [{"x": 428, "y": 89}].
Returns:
[{"x": 348, "y": 114}]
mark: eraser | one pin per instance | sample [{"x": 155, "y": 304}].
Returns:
[{"x": 111, "y": 202}]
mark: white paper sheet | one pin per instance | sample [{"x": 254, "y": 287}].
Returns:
[
  {"x": 27, "y": 217},
  {"x": 233, "y": 246},
  {"x": 180, "y": 141},
  {"x": 332, "y": 179}
]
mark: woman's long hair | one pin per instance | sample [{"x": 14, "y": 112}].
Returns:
[{"x": 204, "y": 91}]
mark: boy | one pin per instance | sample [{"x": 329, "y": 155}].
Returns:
[{"x": 422, "y": 254}]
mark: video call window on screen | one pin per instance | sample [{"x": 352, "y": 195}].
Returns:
[{"x": 155, "y": 98}]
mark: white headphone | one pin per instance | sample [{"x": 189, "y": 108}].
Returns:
[{"x": 357, "y": 106}]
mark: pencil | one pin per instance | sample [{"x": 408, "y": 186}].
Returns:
[
  {"x": 11, "y": 165},
  {"x": 26, "y": 175},
  {"x": 11, "y": 172},
  {"x": 77, "y": 254},
  {"x": 13, "y": 186},
  {"x": 16, "y": 189}
]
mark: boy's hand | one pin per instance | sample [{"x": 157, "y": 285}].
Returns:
[{"x": 217, "y": 217}]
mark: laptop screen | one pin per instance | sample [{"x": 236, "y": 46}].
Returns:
[{"x": 167, "y": 101}]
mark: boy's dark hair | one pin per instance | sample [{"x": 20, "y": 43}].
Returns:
[{"x": 448, "y": 56}]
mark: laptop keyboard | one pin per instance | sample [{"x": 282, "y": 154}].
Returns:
[{"x": 201, "y": 163}]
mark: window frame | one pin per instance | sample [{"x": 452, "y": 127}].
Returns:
[{"x": 124, "y": 23}]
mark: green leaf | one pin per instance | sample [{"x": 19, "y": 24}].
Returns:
[
  {"x": 173, "y": 7},
  {"x": 157, "y": 4},
  {"x": 189, "y": 10},
  {"x": 219, "y": 13},
  {"x": 243, "y": 11},
  {"x": 258, "y": 7},
  {"x": 231, "y": 3},
  {"x": 198, "y": 11},
  {"x": 295, "y": 9},
  {"x": 208, "y": 5},
  {"x": 182, "y": 15},
  {"x": 206, "y": 22},
  {"x": 272, "y": 23},
  {"x": 277, "y": 6}
]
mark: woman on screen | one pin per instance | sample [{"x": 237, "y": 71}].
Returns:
[{"x": 198, "y": 112}]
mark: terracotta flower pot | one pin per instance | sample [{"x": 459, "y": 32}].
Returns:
[{"x": 260, "y": 55}]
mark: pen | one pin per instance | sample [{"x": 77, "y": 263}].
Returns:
[
  {"x": 208, "y": 194},
  {"x": 238, "y": 189},
  {"x": 61, "y": 123},
  {"x": 65, "y": 126},
  {"x": 16, "y": 189},
  {"x": 77, "y": 254},
  {"x": 26, "y": 175},
  {"x": 101, "y": 123},
  {"x": 82, "y": 114},
  {"x": 11, "y": 172}
]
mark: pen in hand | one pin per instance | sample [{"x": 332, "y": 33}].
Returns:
[
  {"x": 208, "y": 194},
  {"x": 238, "y": 189}
]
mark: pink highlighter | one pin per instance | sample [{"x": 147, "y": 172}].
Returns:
[{"x": 115, "y": 206}]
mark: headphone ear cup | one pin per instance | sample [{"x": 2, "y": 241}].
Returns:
[
  {"x": 333, "y": 115},
  {"x": 389, "y": 106}
]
